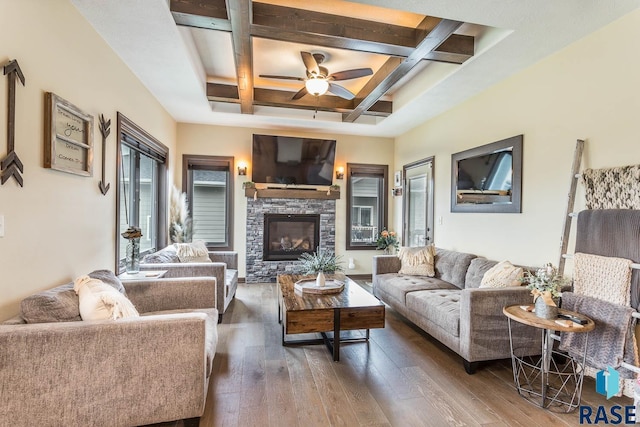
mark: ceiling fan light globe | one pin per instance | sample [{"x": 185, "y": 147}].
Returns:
[{"x": 317, "y": 86}]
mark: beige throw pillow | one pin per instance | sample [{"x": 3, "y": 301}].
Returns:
[
  {"x": 192, "y": 252},
  {"x": 502, "y": 275},
  {"x": 418, "y": 261},
  {"x": 99, "y": 301}
]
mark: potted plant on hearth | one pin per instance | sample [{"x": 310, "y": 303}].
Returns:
[
  {"x": 320, "y": 262},
  {"x": 545, "y": 286}
]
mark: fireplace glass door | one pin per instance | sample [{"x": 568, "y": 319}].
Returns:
[{"x": 286, "y": 237}]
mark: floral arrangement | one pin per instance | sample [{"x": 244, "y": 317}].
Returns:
[
  {"x": 320, "y": 261},
  {"x": 545, "y": 283},
  {"x": 387, "y": 238}
]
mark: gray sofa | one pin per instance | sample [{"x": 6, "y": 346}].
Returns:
[
  {"x": 124, "y": 372},
  {"x": 453, "y": 309},
  {"x": 224, "y": 267}
]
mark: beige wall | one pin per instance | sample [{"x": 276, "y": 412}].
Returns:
[
  {"x": 589, "y": 90},
  {"x": 59, "y": 225},
  {"x": 236, "y": 142}
]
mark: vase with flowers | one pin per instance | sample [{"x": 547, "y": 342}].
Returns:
[
  {"x": 545, "y": 286},
  {"x": 388, "y": 241}
]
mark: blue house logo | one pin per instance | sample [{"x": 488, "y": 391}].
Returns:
[{"x": 607, "y": 382}]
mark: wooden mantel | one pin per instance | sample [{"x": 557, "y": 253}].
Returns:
[{"x": 291, "y": 193}]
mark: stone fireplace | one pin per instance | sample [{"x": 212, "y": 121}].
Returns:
[{"x": 279, "y": 230}]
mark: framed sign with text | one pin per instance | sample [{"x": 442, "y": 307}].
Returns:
[{"x": 68, "y": 142}]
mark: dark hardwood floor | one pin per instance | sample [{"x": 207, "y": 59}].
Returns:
[{"x": 402, "y": 377}]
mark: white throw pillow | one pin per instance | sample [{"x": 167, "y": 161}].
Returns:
[
  {"x": 502, "y": 275},
  {"x": 192, "y": 252},
  {"x": 418, "y": 261},
  {"x": 99, "y": 301}
]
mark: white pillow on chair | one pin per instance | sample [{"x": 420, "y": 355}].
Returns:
[{"x": 99, "y": 301}]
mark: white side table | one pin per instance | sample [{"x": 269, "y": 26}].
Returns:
[{"x": 142, "y": 275}]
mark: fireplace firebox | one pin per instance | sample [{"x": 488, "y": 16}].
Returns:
[{"x": 286, "y": 237}]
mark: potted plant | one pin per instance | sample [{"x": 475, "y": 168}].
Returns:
[
  {"x": 387, "y": 240},
  {"x": 248, "y": 184},
  {"x": 545, "y": 286},
  {"x": 320, "y": 262}
]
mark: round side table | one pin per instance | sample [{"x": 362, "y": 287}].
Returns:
[{"x": 552, "y": 380}]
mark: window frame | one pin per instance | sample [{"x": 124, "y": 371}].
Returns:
[
  {"x": 154, "y": 148},
  {"x": 374, "y": 171},
  {"x": 217, "y": 162}
]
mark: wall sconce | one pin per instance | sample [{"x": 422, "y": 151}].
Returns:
[
  {"x": 340, "y": 173},
  {"x": 242, "y": 169}
]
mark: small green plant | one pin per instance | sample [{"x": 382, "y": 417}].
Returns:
[
  {"x": 248, "y": 184},
  {"x": 320, "y": 261}
]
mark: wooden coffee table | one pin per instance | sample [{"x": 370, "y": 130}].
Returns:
[{"x": 352, "y": 309}]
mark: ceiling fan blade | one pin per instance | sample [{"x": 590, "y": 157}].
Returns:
[
  {"x": 302, "y": 92},
  {"x": 269, "y": 76},
  {"x": 351, "y": 74},
  {"x": 310, "y": 62},
  {"x": 340, "y": 91}
]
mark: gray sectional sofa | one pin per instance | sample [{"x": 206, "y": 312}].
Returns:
[{"x": 453, "y": 309}]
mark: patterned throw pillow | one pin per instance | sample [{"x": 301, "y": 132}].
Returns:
[
  {"x": 418, "y": 261},
  {"x": 502, "y": 275},
  {"x": 192, "y": 252}
]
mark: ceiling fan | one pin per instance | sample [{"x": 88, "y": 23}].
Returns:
[{"x": 319, "y": 81}]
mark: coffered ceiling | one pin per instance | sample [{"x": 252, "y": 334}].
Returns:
[{"x": 205, "y": 60}]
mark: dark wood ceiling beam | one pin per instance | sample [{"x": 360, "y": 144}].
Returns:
[
  {"x": 306, "y": 21},
  {"x": 240, "y": 17},
  {"x": 277, "y": 98},
  {"x": 368, "y": 95},
  {"x": 323, "y": 30},
  {"x": 336, "y": 42},
  {"x": 208, "y": 14}
]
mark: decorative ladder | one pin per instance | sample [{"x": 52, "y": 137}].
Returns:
[{"x": 571, "y": 198}]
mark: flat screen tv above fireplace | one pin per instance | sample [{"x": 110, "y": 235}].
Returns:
[{"x": 292, "y": 161}]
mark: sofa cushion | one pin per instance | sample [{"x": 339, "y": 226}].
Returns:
[
  {"x": 478, "y": 267},
  {"x": 502, "y": 275},
  {"x": 452, "y": 266},
  {"x": 397, "y": 286},
  {"x": 417, "y": 261},
  {"x": 61, "y": 304},
  {"x": 166, "y": 255},
  {"x": 440, "y": 306}
]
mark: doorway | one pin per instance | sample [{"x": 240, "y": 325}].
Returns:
[{"x": 418, "y": 203}]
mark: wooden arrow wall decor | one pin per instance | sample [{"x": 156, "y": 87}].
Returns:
[
  {"x": 105, "y": 130},
  {"x": 11, "y": 165}
]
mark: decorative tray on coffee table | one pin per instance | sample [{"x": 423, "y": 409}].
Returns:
[{"x": 308, "y": 286}]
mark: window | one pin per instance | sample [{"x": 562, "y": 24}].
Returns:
[
  {"x": 208, "y": 182},
  {"x": 367, "y": 187},
  {"x": 141, "y": 188}
]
